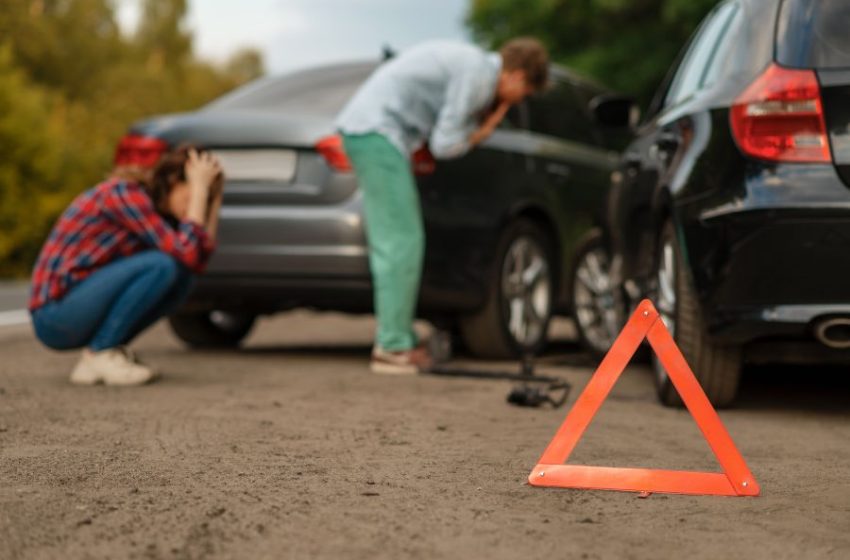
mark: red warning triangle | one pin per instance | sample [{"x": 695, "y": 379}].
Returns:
[{"x": 735, "y": 480}]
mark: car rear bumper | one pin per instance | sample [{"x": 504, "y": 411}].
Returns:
[
  {"x": 277, "y": 257},
  {"x": 259, "y": 295},
  {"x": 268, "y": 294},
  {"x": 742, "y": 324},
  {"x": 289, "y": 240},
  {"x": 775, "y": 261}
]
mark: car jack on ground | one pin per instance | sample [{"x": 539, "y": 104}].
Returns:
[{"x": 532, "y": 390}]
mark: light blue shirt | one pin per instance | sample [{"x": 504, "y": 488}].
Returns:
[{"x": 434, "y": 92}]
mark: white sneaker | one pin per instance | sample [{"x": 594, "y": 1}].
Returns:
[{"x": 113, "y": 366}]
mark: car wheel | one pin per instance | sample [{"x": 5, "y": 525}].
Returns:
[
  {"x": 716, "y": 367},
  {"x": 210, "y": 329},
  {"x": 515, "y": 318},
  {"x": 598, "y": 308}
]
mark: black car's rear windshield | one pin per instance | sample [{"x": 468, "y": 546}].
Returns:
[
  {"x": 319, "y": 91},
  {"x": 814, "y": 34}
]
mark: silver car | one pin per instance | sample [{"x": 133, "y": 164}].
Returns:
[{"x": 509, "y": 226}]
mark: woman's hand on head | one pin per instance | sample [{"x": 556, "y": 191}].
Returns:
[
  {"x": 202, "y": 173},
  {"x": 202, "y": 170},
  {"x": 217, "y": 188}
]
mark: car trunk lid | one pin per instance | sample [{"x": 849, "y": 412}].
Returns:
[
  {"x": 812, "y": 35},
  {"x": 268, "y": 159}
]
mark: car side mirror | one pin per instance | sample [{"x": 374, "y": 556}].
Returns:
[{"x": 616, "y": 111}]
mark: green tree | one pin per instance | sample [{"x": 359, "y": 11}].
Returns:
[
  {"x": 626, "y": 44},
  {"x": 70, "y": 85},
  {"x": 65, "y": 45},
  {"x": 162, "y": 34},
  {"x": 29, "y": 168},
  {"x": 245, "y": 65}
]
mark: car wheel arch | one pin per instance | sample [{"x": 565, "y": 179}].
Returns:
[
  {"x": 666, "y": 212},
  {"x": 662, "y": 211}
]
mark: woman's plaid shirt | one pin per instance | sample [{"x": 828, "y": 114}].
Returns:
[{"x": 113, "y": 220}]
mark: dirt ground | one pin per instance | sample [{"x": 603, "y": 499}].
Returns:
[{"x": 292, "y": 449}]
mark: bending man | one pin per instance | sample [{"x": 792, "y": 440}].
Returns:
[{"x": 450, "y": 96}]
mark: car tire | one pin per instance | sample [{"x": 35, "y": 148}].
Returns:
[
  {"x": 520, "y": 296},
  {"x": 211, "y": 329},
  {"x": 597, "y": 303},
  {"x": 716, "y": 367}
]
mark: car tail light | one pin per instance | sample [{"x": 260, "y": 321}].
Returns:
[
  {"x": 423, "y": 161},
  {"x": 138, "y": 150},
  {"x": 779, "y": 117},
  {"x": 331, "y": 149}
]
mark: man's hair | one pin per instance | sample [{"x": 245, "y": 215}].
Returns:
[{"x": 529, "y": 55}]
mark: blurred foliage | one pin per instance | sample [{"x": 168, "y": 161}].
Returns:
[
  {"x": 627, "y": 45},
  {"x": 70, "y": 85}
]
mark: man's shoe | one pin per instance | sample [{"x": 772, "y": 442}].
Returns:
[
  {"x": 113, "y": 366},
  {"x": 404, "y": 362}
]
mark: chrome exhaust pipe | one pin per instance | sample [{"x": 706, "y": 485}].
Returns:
[{"x": 834, "y": 333}]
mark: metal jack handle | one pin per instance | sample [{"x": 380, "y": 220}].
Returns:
[
  {"x": 527, "y": 364},
  {"x": 534, "y": 397},
  {"x": 528, "y": 395},
  {"x": 531, "y": 392}
]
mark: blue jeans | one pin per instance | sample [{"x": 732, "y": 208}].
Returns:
[{"x": 115, "y": 303}]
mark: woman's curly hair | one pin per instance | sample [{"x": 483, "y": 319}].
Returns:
[{"x": 168, "y": 172}]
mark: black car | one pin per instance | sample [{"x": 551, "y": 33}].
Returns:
[
  {"x": 505, "y": 224},
  {"x": 731, "y": 208}
]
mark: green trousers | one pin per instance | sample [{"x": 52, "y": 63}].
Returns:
[{"x": 394, "y": 233}]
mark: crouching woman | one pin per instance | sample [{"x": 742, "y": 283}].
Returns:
[{"x": 122, "y": 256}]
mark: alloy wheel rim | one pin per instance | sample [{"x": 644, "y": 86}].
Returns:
[
  {"x": 227, "y": 322},
  {"x": 526, "y": 291},
  {"x": 595, "y": 300},
  {"x": 666, "y": 297}
]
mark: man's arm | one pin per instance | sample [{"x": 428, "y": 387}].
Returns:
[
  {"x": 491, "y": 122},
  {"x": 455, "y": 130}
]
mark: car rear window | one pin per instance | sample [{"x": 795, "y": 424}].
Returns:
[
  {"x": 320, "y": 91},
  {"x": 814, "y": 34}
]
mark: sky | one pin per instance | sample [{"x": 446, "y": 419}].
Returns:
[{"x": 297, "y": 33}]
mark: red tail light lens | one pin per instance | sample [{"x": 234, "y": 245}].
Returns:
[
  {"x": 779, "y": 117},
  {"x": 137, "y": 150},
  {"x": 423, "y": 161},
  {"x": 331, "y": 149}
]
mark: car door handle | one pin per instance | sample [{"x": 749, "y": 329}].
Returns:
[
  {"x": 667, "y": 142},
  {"x": 632, "y": 160},
  {"x": 664, "y": 147},
  {"x": 632, "y": 164},
  {"x": 559, "y": 170}
]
